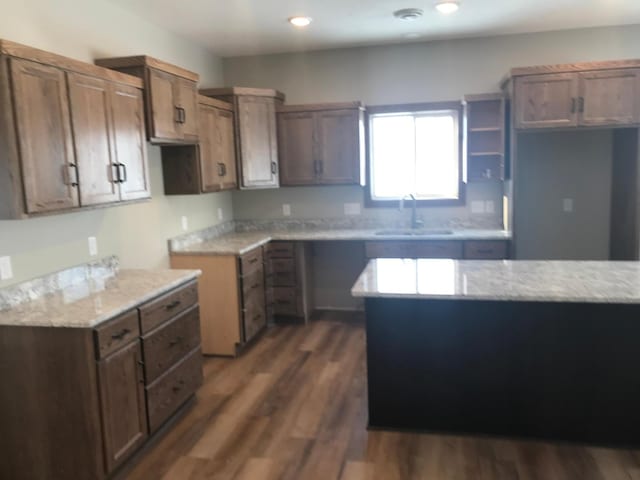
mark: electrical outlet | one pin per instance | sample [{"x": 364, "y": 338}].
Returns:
[
  {"x": 185, "y": 223},
  {"x": 567, "y": 205},
  {"x": 489, "y": 207},
  {"x": 6, "y": 272},
  {"x": 352, "y": 209},
  {"x": 477, "y": 206},
  {"x": 286, "y": 209},
  {"x": 93, "y": 246},
  {"x": 220, "y": 214}
]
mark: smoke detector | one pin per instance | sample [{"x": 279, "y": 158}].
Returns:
[{"x": 408, "y": 14}]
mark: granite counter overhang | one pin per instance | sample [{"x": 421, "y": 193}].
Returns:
[
  {"x": 241, "y": 243},
  {"x": 96, "y": 300},
  {"x": 501, "y": 280}
]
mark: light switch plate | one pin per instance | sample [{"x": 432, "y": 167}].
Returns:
[
  {"x": 93, "y": 246},
  {"x": 352, "y": 209},
  {"x": 220, "y": 214},
  {"x": 477, "y": 206},
  {"x": 185, "y": 223},
  {"x": 6, "y": 271},
  {"x": 567, "y": 205},
  {"x": 286, "y": 209}
]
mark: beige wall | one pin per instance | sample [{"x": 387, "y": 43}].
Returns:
[{"x": 137, "y": 233}]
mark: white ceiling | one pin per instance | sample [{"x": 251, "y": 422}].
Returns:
[{"x": 245, "y": 27}]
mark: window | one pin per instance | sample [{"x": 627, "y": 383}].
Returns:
[{"x": 415, "y": 150}]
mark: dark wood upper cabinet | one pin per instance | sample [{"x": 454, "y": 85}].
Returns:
[
  {"x": 122, "y": 400},
  {"x": 597, "y": 94},
  {"x": 171, "y": 97},
  {"x": 610, "y": 97},
  {"x": 321, "y": 144},
  {"x": 43, "y": 129},
  {"x": 544, "y": 101},
  {"x": 256, "y": 136},
  {"x": 209, "y": 166},
  {"x": 71, "y": 134}
]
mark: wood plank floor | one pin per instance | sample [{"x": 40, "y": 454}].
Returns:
[{"x": 294, "y": 407}]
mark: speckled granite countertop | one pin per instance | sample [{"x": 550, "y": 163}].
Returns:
[
  {"x": 505, "y": 280},
  {"x": 239, "y": 243},
  {"x": 95, "y": 300}
]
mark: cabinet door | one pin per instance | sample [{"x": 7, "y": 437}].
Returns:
[
  {"x": 258, "y": 142},
  {"x": 609, "y": 97},
  {"x": 187, "y": 95},
  {"x": 544, "y": 101},
  {"x": 297, "y": 148},
  {"x": 92, "y": 137},
  {"x": 226, "y": 138},
  {"x": 210, "y": 170},
  {"x": 129, "y": 142},
  {"x": 43, "y": 122},
  {"x": 122, "y": 401},
  {"x": 339, "y": 146},
  {"x": 164, "y": 114}
]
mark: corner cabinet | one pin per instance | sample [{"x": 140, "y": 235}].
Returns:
[
  {"x": 171, "y": 97},
  {"x": 255, "y": 130},
  {"x": 80, "y": 402},
  {"x": 71, "y": 134},
  {"x": 321, "y": 144},
  {"x": 578, "y": 98},
  {"x": 209, "y": 166}
]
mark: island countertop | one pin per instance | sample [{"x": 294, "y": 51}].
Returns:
[
  {"x": 88, "y": 303},
  {"x": 239, "y": 243},
  {"x": 501, "y": 280}
]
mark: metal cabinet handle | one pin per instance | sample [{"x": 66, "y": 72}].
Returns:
[
  {"x": 221, "y": 169},
  {"x": 581, "y": 104},
  {"x": 121, "y": 335},
  {"x": 115, "y": 173},
  {"x": 573, "y": 105},
  {"x": 178, "y": 115},
  {"x": 183, "y": 115},
  {"x": 172, "y": 305},
  {"x": 122, "y": 178},
  {"x": 274, "y": 167},
  {"x": 76, "y": 178},
  {"x": 175, "y": 342}
]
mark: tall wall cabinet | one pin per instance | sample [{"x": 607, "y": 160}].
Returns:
[
  {"x": 255, "y": 130},
  {"x": 71, "y": 134}
]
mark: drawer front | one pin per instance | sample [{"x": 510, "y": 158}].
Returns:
[
  {"x": 253, "y": 284},
  {"x": 279, "y": 250},
  {"x": 115, "y": 334},
  {"x": 285, "y": 301},
  {"x": 414, "y": 249},
  {"x": 171, "y": 390},
  {"x": 281, "y": 272},
  {"x": 165, "y": 307},
  {"x": 249, "y": 262},
  {"x": 255, "y": 317},
  {"x": 489, "y": 250},
  {"x": 168, "y": 344}
]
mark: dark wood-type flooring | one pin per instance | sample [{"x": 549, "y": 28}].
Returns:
[{"x": 294, "y": 407}]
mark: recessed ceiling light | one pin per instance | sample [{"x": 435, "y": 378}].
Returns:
[
  {"x": 408, "y": 14},
  {"x": 447, "y": 6},
  {"x": 300, "y": 21}
]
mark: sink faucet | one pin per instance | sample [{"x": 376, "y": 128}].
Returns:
[{"x": 415, "y": 223}]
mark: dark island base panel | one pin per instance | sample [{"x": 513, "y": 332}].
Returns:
[{"x": 555, "y": 371}]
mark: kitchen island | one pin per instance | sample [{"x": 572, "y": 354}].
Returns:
[{"x": 519, "y": 348}]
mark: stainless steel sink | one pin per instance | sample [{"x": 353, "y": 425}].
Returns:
[{"x": 414, "y": 232}]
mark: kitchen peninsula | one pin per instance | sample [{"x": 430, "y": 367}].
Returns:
[{"x": 542, "y": 349}]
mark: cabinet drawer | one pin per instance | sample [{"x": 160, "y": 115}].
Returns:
[
  {"x": 166, "y": 345},
  {"x": 281, "y": 272},
  {"x": 171, "y": 390},
  {"x": 279, "y": 250},
  {"x": 414, "y": 249},
  {"x": 253, "y": 285},
  {"x": 285, "y": 301},
  {"x": 251, "y": 261},
  {"x": 490, "y": 250},
  {"x": 116, "y": 333},
  {"x": 255, "y": 317},
  {"x": 163, "y": 308}
]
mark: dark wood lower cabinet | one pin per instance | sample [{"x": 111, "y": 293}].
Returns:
[
  {"x": 75, "y": 403},
  {"x": 122, "y": 401}
]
